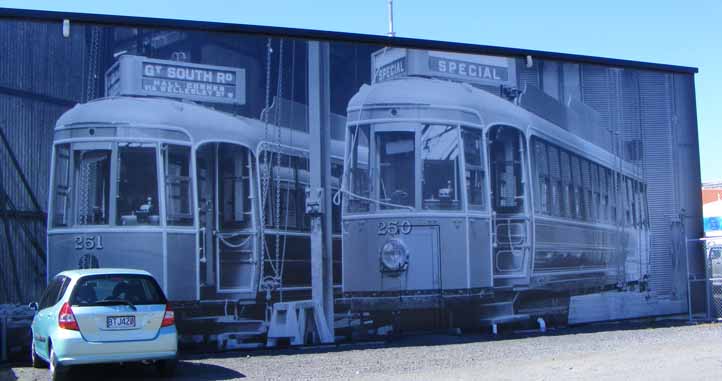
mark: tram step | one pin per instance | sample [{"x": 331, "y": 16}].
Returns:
[
  {"x": 503, "y": 319},
  {"x": 504, "y": 308}
]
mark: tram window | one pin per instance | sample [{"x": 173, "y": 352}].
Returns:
[
  {"x": 579, "y": 212},
  {"x": 396, "y": 168},
  {"x": 92, "y": 186},
  {"x": 567, "y": 186},
  {"x": 62, "y": 185},
  {"x": 541, "y": 180},
  {"x": 358, "y": 174},
  {"x": 137, "y": 185},
  {"x": 613, "y": 195},
  {"x": 643, "y": 204},
  {"x": 596, "y": 197},
  {"x": 176, "y": 169},
  {"x": 629, "y": 206},
  {"x": 234, "y": 200},
  {"x": 440, "y": 160},
  {"x": 606, "y": 194},
  {"x": 587, "y": 189},
  {"x": 475, "y": 168},
  {"x": 603, "y": 196},
  {"x": 625, "y": 199},
  {"x": 556, "y": 180},
  {"x": 287, "y": 183}
]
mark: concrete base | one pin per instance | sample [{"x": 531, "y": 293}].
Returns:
[{"x": 621, "y": 305}]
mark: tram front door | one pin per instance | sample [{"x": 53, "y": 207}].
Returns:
[
  {"x": 510, "y": 232},
  {"x": 228, "y": 264}
]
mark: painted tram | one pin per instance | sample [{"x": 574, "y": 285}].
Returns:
[
  {"x": 210, "y": 203},
  {"x": 460, "y": 202}
]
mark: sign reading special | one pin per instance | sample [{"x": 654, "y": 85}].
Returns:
[
  {"x": 135, "y": 75},
  {"x": 471, "y": 67},
  {"x": 392, "y": 63}
]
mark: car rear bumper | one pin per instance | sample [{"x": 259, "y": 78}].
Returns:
[{"x": 72, "y": 349}]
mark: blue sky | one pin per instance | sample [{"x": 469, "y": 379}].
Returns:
[{"x": 674, "y": 32}]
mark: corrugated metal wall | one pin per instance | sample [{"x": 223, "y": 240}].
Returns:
[
  {"x": 656, "y": 120},
  {"x": 41, "y": 76}
]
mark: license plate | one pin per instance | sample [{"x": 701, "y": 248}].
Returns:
[{"x": 120, "y": 322}]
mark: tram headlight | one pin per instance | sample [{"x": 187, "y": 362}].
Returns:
[{"x": 394, "y": 256}]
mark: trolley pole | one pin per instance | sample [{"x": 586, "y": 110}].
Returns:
[{"x": 318, "y": 197}]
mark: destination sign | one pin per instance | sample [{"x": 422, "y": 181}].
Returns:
[
  {"x": 391, "y": 63},
  {"x": 468, "y": 69},
  {"x": 394, "y": 69},
  {"x": 178, "y": 80},
  {"x": 135, "y": 75}
]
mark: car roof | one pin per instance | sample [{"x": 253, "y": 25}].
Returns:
[{"x": 102, "y": 271}]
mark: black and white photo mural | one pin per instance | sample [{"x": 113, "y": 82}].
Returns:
[{"x": 467, "y": 186}]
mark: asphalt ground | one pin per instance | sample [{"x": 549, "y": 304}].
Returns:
[{"x": 647, "y": 351}]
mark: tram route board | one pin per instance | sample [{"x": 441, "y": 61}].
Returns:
[{"x": 141, "y": 76}]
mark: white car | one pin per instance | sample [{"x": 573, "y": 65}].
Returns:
[{"x": 103, "y": 316}]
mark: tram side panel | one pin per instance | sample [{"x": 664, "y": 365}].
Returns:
[
  {"x": 93, "y": 249},
  {"x": 181, "y": 264}
]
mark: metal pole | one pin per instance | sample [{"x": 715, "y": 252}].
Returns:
[
  {"x": 708, "y": 283},
  {"x": 3, "y": 338},
  {"x": 391, "y": 32},
  {"x": 689, "y": 279},
  {"x": 318, "y": 199}
]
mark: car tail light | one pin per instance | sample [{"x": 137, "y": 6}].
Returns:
[
  {"x": 168, "y": 318},
  {"x": 66, "y": 318}
]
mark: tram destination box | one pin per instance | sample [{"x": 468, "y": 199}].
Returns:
[{"x": 142, "y": 76}]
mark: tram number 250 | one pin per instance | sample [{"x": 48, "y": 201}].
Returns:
[
  {"x": 94, "y": 242},
  {"x": 393, "y": 227}
]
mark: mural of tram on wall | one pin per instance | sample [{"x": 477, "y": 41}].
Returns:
[{"x": 471, "y": 189}]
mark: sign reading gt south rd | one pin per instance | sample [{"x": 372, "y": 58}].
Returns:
[{"x": 135, "y": 75}]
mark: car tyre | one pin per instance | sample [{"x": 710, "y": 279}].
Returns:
[
  {"x": 36, "y": 360},
  {"x": 57, "y": 371},
  {"x": 166, "y": 368}
]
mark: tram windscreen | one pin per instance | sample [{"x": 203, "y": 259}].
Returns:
[
  {"x": 440, "y": 160},
  {"x": 137, "y": 185},
  {"x": 396, "y": 155},
  {"x": 358, "y": 174}
]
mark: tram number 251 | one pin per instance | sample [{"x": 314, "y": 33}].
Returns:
[
  {"x": 88, "y": 242},
  {"x": 393, "y": 227}
]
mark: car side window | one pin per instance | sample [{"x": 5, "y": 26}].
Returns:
[
  {"x": 63, "y": 289},
  {"x": 50, "y": 296}
]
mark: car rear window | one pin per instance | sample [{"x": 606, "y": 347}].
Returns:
[{"x": 136, "y": 289}]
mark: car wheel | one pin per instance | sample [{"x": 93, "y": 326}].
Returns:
[
  {"x": 36, "y": 360},
  {"x": 166, "y": 368},
  {"x": 57, "y": 371}
]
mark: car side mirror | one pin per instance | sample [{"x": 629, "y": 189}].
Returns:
[{"x": 33, "y": 306}]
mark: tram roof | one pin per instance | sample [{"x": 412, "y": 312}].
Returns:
[
  {"x": 492, "y": 109},
  {"x": 441, "y": 94},
  {"x": 201, "y": 123}
]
